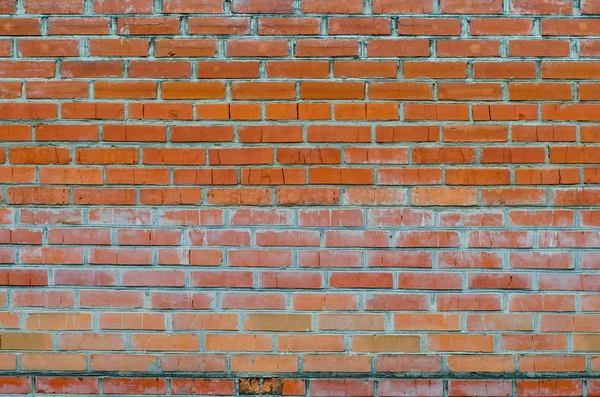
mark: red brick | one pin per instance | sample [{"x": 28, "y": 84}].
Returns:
[
  {"x": 174, "y": 156},
  {"x": 361, "y": 280},
  {"x": 117, "y": 7},
  {"x": 42, "y": 7},
  {"x": 470, "y": 48},
  {"x": 122, "y": 362},
  {"x": 471, "y": 218},
  {"x": 495, "y": 363},
  {"x": 6, "y": 7},
  {"x": 504, "y": 70},
  {"x": 476, "y": 91},
  {"x": 432, "y": 322},
  {"x": 569, "y": 70},
  {"x": 134, "y": 385},
  {"x": 539, "y": 91},
  {"x": 444, "y": 196},
  {"x": 353, "y": 26},
  {"x": 326, "y": 48},
  {"x": 499, "y": 281},
  {"x": 17, "y": 385},
  {"x": 422, "y": 26},
  {"x": 253, "y": 301},
  {"x": 464, "y": 302},
  {"x": 398, "y": 48},
  {"x": 434, "y": 281},
  {"x": 504, "y": 112},
  {"x": 332, "y": 7},
  {"x": 474, "y": 7},
  {"x": 66, "y": 385},
  {"x": 80, "y": 110},
  {"x": 412, "y": 363},
  {"x": 589, "y": 48},
  {"x": 257, "y": 48},
  {"x": 353, "y": 387},
  {"x": 542, "y": 7},
  {"x": 413, "y": 70},
  {"x": 202, "y": 386},
  {"x": 365, "y": 69},
  {"x": 80, "y": 26},
  {"x": 23, "y": 277},
  {"x": 343, "y": 90},
  {"x": 537, "y": 342},
  {"x": 49, "y": 48},
  {"x": 427, "y": 239},
  {"x": 320, "y": 363},
  {"x": 265, "y": 363},
  {"x": 398, "y": 259},
  {"x": 263, "y": 91},
  {"x": 336, "y": 133},
  {"x": 288, "y": 26},
  {"x": 195, "y": 90},
  {"x": 462, "y": 343},
  {"x": 205, "y": 321},
  {"x": 465, "y": 388},
  {"x": 122, "y": 48},
  {"x": 542, "y": 48},
  {"x": 456, "y": 112},
  {"x": 19, "y": 111},
  {"x": 184, "y": 48},
  {"x": 549, "y": 387},
  {"x": 194, "y": 6},
  {"x": 79, "y": 69},
  {"x": 148, "y": 26},
  {"x": 507, "y": 322},
  {"x": 34, "y": 298},
  {"x": 37, "y": 195},
  {"x": 190, "y": 362},
  {"x": 469, "y": 260},
  {"x": 329, "y": 259},
  {"x": 414, "y": 91},
  {"x": 324, "y": 301},
  {"x": 262, "y": 6},
  {"x": 218, "y": 25}
]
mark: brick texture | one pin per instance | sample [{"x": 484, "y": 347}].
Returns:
[{"x": 300, "y": 197}]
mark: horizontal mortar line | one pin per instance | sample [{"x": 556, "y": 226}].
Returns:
[{"x": 446, "y": 375}]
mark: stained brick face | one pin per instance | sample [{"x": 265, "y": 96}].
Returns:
[{"x": 300, "y": 197}]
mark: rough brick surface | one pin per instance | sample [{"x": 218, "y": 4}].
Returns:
[{"x": 300, "y": 197}]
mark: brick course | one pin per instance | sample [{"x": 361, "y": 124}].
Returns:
[{"x": 300, "y": 197}]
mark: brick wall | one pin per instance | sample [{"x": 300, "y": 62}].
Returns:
[{"x": 307, "y": 197}]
